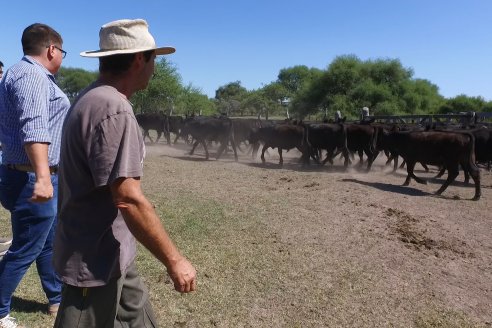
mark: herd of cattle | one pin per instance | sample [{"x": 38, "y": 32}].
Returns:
[{"x": 449, "y": 148}]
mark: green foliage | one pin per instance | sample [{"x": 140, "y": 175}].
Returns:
[
  {"x": 74, "y": 80},
  {"x": 192, "y": 101},
  {"x": 232, "y": 90},
  {"x": 346, "y": 85},
  {"x": 383, "y": 85},
  {"x": 163, "y": 90},
  {"x": 295, "y": 78},
  {"x": 229, "y": 97},
  {"x": 463, "y": 103}
]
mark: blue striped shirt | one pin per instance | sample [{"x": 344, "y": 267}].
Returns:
[{"x": 32, "y": 110}]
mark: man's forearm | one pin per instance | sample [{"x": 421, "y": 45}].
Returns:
[
  {"x": 145, "y": 225},
  {"x": 38, "y": 156}
]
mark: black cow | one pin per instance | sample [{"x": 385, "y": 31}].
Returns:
[
  {"x": 483, "y": 145},
  {"x": 175, "y": 124},
  {"x": 391, "y": 154},
  {"x": 243, "y": 128},
  {"x": 446, "y": 149},
  {"x": 362, "y": 138},
  {"x": 483, "y": 148},
  {"x": 281, "y": 136},
  {"x": 329, "y": 137},
  {"x": 205, "y": 129},
  {"x": 154, "y": 121}
]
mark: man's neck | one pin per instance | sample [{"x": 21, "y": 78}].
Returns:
[{"x": 122, "y": 83}]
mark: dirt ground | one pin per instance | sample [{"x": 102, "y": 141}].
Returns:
[{"x": 349, "y": 248}]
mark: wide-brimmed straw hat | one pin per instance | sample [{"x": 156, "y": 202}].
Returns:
[{"x": 126, "y": 36}]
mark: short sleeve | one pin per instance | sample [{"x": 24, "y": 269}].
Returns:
[{"x": 116, "y": 149}]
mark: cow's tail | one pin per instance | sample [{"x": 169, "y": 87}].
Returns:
[
  {"x": 305, "y": 144},
  {"x": 232, "y": 139},
  {"x": 471, "y": 148},
  {"x": 343, "y": 147},
  {"x": 474, "y": 171},
  {"x": 374, "y": 140}
]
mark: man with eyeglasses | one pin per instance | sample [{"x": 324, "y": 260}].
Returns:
[{"x": 32, "y": 111}]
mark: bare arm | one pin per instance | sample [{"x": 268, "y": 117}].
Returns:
[
  {"x": 38, "y": 156},
  {"x": 141, "y": 219}
]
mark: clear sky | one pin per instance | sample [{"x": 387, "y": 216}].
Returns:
[{"x": 448, "y": 42}]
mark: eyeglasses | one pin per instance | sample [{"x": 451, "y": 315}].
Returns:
[{"x": 64, "y": 53}]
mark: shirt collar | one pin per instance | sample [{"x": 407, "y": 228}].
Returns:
[{"x": 33, "y": 61}]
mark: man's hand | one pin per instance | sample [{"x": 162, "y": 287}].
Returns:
[
  {"x": 183, "y": 275},
  {"x": 43, "y": 190}
]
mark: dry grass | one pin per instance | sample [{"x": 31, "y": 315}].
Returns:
[{"x": 313, "y": 247}]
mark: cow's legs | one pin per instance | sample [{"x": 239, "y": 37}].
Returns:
[
  {"x": 453, "y": 172},
  {"x": 194, "y": 146},
  {"x": 221, "y": 149},
  {"x": 410, "y": 174},
  {"x": 204, "y": 143},
  {"x": 233, "y": 145},
  {"x": 467, "y": 176},
  {"x": 281, "y": 160},
  {"x": 346, "y": 155},
  {"x": 147, "y": 134},
  {"x": 474, "y": 172},
  {"x": 263, "y": 153},
  {"x": 361, "y": 157},
  {"x": 441, "y": 172},
  {"x": 395, "y": 164},
  {"x": 168, "y": 137},
  {"x": 223, "y": 146},
  {"x": 159, "y": 133},
  {"x": 371, "y": 156},
  {"x": 329, "y": 157},
  {"x": 254, "y": 150},
  {"x": 176, "y": 138}
]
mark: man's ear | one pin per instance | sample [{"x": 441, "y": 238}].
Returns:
[
  {"x": 139, "y": 60},
  {"x": 50, "y": 52}
]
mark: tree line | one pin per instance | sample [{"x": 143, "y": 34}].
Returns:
[{"x": 346, "y": 85}]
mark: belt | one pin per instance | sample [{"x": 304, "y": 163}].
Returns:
[{"x": 29, "y": 168}]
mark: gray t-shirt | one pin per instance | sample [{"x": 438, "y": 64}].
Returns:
[{"x": 101, "y": 141}]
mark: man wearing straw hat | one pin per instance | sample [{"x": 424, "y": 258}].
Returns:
[{"x": 102, "y": 208}]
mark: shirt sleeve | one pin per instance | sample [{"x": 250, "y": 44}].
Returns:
[
  {"x": 31, "y": 98},
  {"x": 116, "y": 149}
]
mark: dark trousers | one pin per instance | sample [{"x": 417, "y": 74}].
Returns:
[{"x": 123, "y": 302}]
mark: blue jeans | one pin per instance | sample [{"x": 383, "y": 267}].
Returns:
[{"x": 33, "y": 229}]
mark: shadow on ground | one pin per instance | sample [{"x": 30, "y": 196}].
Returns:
[
  {"x": 27, "y": 306},
  {"x": 390, "y": 187}
]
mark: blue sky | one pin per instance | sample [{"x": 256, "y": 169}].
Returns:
[{"x": 217, "y": 42}]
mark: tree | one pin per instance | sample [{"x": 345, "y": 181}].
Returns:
[
  {"x": 293, "y": 79},
  {"x": 192, "y": 101},
  {"x": 163, "y": 90},
  {"x": 256, "y": 103},
  {"x": 463, "y": 103},
  {"x": 74, "y": 80},
  {"x": 384, "y": 85},
  {"x": 229, "y": 97}
]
